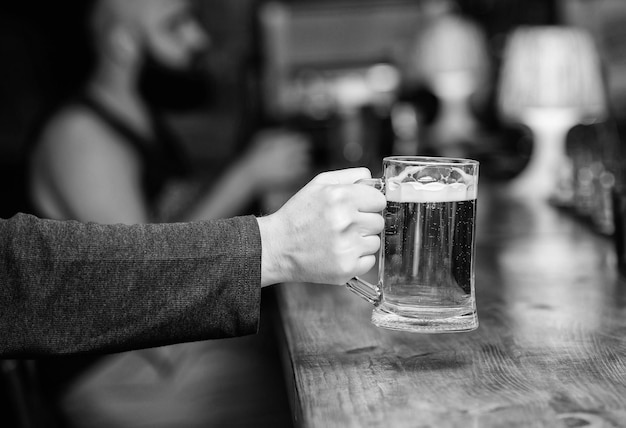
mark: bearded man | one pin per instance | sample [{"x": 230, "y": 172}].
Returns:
[{"x": 106, "y": 156}]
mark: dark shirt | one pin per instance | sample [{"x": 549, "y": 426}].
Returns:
[{"x": 161, "y": 156}]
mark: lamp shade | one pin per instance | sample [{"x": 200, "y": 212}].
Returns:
[
  {"x": 551, "y": 67},
  {"x": 450, "y": 55}
]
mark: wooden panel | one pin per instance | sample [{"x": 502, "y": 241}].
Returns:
[
  {"x": 350, "y": 34},
  {"x": 550, "y": 350},
  {"x": 336, "y": 36}
]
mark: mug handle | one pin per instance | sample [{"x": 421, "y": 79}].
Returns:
[{"x": 369, "y": 292}]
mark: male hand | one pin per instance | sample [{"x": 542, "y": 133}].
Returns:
[
  {"x": 278, "y": 158},
  {"x": 327, "y": 233}
]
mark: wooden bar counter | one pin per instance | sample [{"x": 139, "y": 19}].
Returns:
[{"x": 550, "y": 350}]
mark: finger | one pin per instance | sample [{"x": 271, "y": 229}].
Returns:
[
  {"x": 343, "y": 176},
  {"x": 365, "y": 264},
  {"x": 367, "y": 199},
  {"x": 370, "y": 245},
  {"x": 370, "y": 224}
]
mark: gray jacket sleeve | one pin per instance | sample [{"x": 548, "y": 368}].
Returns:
[{"x": 68, "y": 287}]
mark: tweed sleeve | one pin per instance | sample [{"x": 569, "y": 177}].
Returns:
[{"x": 69, "y": 287}]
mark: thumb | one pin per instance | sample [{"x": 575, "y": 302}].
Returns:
[{"x": 343, "y": 176}]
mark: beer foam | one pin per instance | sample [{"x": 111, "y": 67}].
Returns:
[{"x": 430, "y": 192}]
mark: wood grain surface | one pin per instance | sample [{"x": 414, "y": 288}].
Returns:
[{"x": 550, "y": 350}]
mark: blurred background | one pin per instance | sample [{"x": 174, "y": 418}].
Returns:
[
  {"x": 534, "y": 89},
  {"x": 363, "y": 78}
]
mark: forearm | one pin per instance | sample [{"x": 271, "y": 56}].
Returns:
[
  {"x": 70, "y": 287},
  {"x": 227, "y": 196}
]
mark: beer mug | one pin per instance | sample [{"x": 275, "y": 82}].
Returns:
[{"x": 426, "y": 262}]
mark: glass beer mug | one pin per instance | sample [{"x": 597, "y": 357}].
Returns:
[{"x": 426, "y": 262}]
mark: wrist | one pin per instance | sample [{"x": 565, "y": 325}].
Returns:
[{"x": 274, "y": 263}]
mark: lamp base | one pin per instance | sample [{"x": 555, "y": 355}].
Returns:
[{"x": 548, "y": 174}]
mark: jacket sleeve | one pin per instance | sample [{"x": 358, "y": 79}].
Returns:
[{"x": 68, "y": 287}]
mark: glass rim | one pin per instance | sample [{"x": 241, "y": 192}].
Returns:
[{"x": 430, "y": 160}]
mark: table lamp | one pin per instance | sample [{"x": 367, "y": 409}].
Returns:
[
  {"x": 450, "y": 56},
  {"x": 550, "y": 81}
]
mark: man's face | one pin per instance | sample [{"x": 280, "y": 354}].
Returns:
[
  {"x": 172, "y": 34},
  {"x": 172, "y": 74}
]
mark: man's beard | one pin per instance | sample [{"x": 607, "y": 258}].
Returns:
[{"x": 171, "y": 89}]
